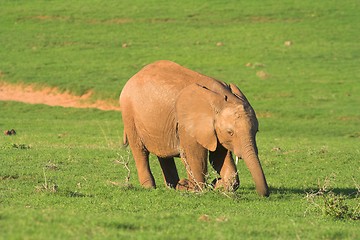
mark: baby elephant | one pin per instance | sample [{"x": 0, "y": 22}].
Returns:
[{"x": 171, "y": 111}]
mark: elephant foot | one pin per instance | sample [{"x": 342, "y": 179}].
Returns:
[
  {"x": 184, "y": 185},
  {"x": 187, "y": 185},
  {"x": 227, "y": 186},
  {"x": 148, "y": 184}
]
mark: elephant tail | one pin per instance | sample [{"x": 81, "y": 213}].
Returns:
[{"x": 125, "y": 140}]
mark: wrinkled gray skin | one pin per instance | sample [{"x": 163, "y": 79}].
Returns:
[{"x": 171, "y": 111}]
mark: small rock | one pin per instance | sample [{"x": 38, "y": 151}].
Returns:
[
  {"x": 262, "y": 74},
  {"x": 204, "y": 218},
  {"x": 222, "y": 219},
  {"x": 288, "y": 43},
  {"x": 276, "y": 149}
]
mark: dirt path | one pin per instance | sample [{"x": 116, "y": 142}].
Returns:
[{"x": 51, "y": 97}]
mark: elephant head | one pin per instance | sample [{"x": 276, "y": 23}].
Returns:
[{"x": 222, "y": 115}]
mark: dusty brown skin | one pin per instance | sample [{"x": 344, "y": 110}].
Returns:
[{"x": 171, "y": 111}]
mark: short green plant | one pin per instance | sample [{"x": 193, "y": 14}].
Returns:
[
  {"x": 47, "y": 185},
  {"x": 333, "y": 204},
  {"x": 17, "y": 146}
]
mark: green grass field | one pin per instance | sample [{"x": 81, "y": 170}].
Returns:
[{"x": 63, "y": 175}]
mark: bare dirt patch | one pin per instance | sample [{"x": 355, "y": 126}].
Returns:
[{"x": 52, "y": 97}]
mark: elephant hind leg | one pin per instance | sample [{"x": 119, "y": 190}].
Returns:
[
  {"x": 170, "y": 173},
  {"x": 141, "y": 157},
  {"x": 138, "y": 149}
]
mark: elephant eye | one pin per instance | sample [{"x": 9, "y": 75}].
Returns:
[{"x": 230, "y": 131}]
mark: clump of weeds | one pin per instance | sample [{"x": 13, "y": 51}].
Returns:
[
  {"x": 47, "y": 186},
  {"x": 335, "y": 205},
  {"x": 16, "y": 146},
  {"x": 124, "y": 161}
]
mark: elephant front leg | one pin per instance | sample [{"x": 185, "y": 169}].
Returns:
[
  {"x": 195, "y": 162},
  {"x": 223, "y": 162}
]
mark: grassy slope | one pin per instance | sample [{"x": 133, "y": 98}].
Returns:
[
  {"x": 78, "y": 151},
  {"x": 308, "y": 108}
]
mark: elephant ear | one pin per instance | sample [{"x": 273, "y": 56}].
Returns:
[
  {"x": 195, "y": 110},
  {"x": 235, "y": 90}
]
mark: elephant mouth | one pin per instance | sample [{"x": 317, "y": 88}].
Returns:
[{"x": 237, "y": 154}]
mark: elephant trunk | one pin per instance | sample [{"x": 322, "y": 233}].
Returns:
[{"x": 253, "y": 163}]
